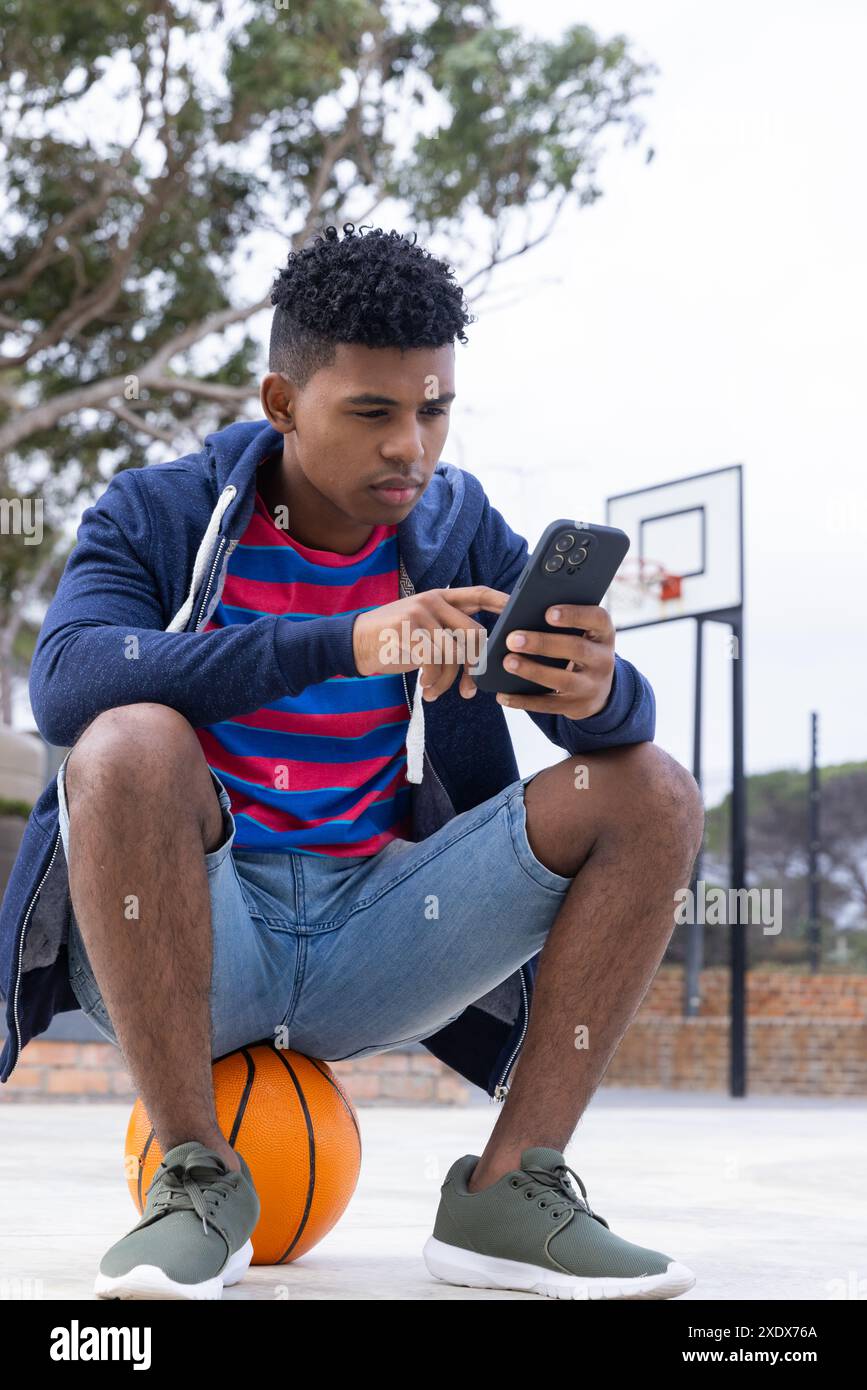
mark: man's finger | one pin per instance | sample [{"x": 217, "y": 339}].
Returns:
[
  {"x": 467, "y": 685},
  {"x": 564, "y": 645},
  {"x": 595, "y": 621},
  {"x": 543, "y": 704},
  {"x": 437, "y": 679},
  {"x": 477, "y": 597},
  {"x": 552, "y": 677}
]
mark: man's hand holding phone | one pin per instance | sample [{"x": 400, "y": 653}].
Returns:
[
  {"x": 411, "y": 633},
  {"x": 579, "y": 692},
  {"x": 389, "y": 639}
]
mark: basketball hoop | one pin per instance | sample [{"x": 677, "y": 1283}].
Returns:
[
  {"x": 691, "y": 527},
  {"x": 639, "y": 581}
]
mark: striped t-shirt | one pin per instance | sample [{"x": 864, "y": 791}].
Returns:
[{"x": 323, "y": 772}]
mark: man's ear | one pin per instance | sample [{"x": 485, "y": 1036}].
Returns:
[{"x": 276, "y": 396}]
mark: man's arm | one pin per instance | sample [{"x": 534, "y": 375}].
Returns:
[
  {"x": 629, "y": 715},
  {"x": 103, "y": 642}
]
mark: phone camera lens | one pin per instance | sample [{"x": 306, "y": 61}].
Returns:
[
  {"x": 553, "y": 563},
  {"x": 565, "y": 542},
  {"x": 578, "y": 556}
]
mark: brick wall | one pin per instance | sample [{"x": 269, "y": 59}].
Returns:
[
  {"x": 95, "y": 1071},
  {"x": 806, "y": 1035},
  {"x": 770, "y": 993}
]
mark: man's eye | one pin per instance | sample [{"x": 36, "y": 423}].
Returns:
[{"x": 375, "y": 414}]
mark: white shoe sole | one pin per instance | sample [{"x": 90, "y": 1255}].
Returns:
[
  {"x": 149, "y": 1281},
  {"x": 455, "y": 1265}
]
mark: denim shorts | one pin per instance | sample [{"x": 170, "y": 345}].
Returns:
[{"x": 350, "y": 956}]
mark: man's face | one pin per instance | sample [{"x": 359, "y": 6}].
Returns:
[{"x": 375, "y": 415}]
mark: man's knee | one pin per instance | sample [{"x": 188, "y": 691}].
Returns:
[
  {"x": 130, "y": 747},
  {"x": 631, "y": 792},
  {"x": 651, "y": 784}
]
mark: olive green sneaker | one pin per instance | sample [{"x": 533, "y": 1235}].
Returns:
[
  {"x": 194, "y": 1236},
  {"x": 531, "y": 1231}
]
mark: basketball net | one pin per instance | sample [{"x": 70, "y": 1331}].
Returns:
[{"x": 640, "y": 581}]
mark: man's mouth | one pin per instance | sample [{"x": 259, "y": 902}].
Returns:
[{"x": 395, "y": 492}]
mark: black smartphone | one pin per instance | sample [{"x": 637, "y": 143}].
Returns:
[{"x": 573, "y": 563}]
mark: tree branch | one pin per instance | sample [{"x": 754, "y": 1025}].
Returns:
[
  {"x": 497, "y": 260},
  {"x": 209, "y": 390},
  {"x": 11, "y": 285},
  {"x": 137, "y": 423},
  {"x": 97, "y": 393},
  {"x": 86, "y": 307}
]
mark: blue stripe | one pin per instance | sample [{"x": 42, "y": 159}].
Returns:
[
  {"x": 278, "y": 564},
  {"x": 373, "y": 821},
  {"x": 245, "y": 742},
  {"x": 327, "y": 804},
  {"x": 343, "y": 694},
  {"x": 230, "y": 616}
]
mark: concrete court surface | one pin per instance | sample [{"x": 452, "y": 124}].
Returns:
[{"x": 763, "y": 1198}]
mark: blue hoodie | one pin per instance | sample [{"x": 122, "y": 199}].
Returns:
[{"x": 150, "y": 562}]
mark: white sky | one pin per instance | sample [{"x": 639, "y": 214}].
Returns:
[{"x": 709, "y": 309}]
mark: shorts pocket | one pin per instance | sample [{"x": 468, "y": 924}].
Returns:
[
  {"x": 91, "y": 1003},
  {"x": 517, "y": 813},
  {"x": 219, "y": 855}
]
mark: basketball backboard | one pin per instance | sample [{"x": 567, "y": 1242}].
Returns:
[{"x": 686, "y": 549}]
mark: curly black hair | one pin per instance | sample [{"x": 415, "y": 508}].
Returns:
[{"x": 378, "y": 289}]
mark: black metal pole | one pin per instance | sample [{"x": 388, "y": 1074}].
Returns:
[
  {"x": 694, "y": 937},
  {"x": 738, "y": 865},
  {"x": 813, "y": 832}
]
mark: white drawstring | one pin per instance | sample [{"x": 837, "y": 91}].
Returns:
[
  {"x": 182, "y": 617},
  {"x": 415, "y": 732},
  {"x": 415, "y": 737}
]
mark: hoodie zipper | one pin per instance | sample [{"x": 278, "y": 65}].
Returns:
[
  {"x": 210, "y": 582},
  {"x": 501, "y": 1090},
  {"x": 21, "y": 948},
  {"x": 232, "y": 546}
]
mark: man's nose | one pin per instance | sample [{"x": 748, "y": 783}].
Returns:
[{"x": 404, "y": 446}]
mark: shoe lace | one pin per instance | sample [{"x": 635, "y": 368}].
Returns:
[
  {"x": 182, "y": 1190},
  {"x": 555, "y": 1181}
]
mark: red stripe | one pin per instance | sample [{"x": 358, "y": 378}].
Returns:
[
  {"x": 301, "y": 776},
  {"x": 270, "y": 596},
  {"x": 261, "y": 530},
  {"x": 273, "y": 819},
  {"x": 336, "y": 724}
]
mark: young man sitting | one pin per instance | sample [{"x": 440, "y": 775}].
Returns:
[{"x": 284, "y": 804}]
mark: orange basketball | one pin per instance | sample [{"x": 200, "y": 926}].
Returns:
[{"x": 298, "y": 1131}]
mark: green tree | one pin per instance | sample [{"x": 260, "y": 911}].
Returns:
[{"x": 777, "y": 858}]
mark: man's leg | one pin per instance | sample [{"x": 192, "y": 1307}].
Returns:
[
  {"x": 143, "y": 813},
  {"x": 630, "y": 837}
]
